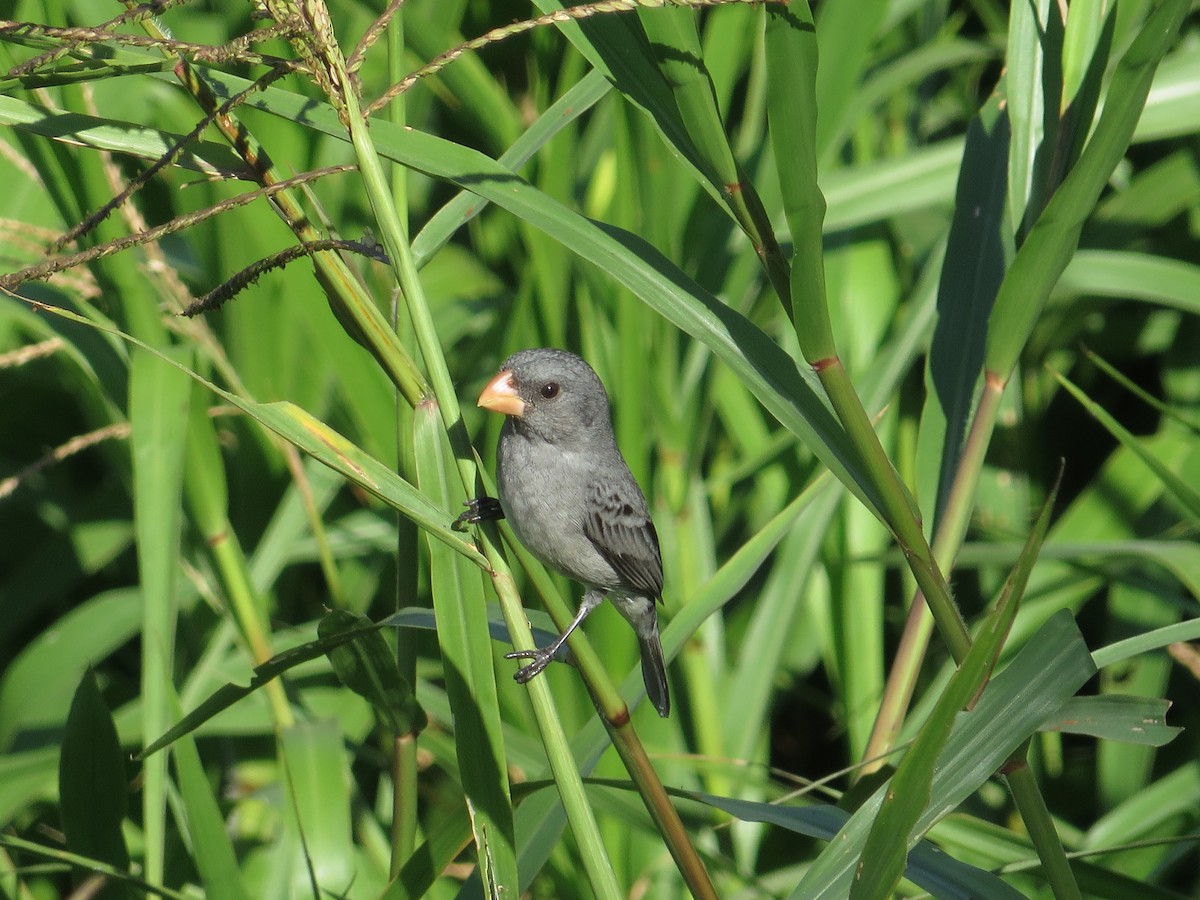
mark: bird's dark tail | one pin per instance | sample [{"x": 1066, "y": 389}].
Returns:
[{"x": 654, "y": 671}]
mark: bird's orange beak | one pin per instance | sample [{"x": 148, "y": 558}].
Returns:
[{"x": 500, "y": 396}]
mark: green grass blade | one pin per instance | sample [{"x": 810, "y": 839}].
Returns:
[
  {"x": 908, "y": 794},
  {"x": 1144, "y": 643},
  {"x": 367, "y": 666},
  {"x": 1116, "y": 717},
  {"x": 210, "y": 843},
  {"x": 1126, "y": 275},
  {"x": 462, "y": 631},
  {"x": 316, "y": 811},
  {"x": 928, "y": 867},
  {"x": 978, "y": 250},
  {"x": 1054, "y": 236},
  {"x": 158, "y": 412},
  {"x": 93, "y": 785},
  {"x": 1183, "y": 492},
  {"x": 1047, "y": 671}
]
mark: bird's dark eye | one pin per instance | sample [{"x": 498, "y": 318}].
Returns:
[{"x": 550, "y": 390}]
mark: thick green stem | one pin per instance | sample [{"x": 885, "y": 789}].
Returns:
[
  {"x": 897, "y": 509},
  {"x": 947, "y": 540}
]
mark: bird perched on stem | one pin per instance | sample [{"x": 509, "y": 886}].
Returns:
[{"x": 571, "y": 500}]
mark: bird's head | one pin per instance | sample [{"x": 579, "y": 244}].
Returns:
[{"x": 551, "y": 393}]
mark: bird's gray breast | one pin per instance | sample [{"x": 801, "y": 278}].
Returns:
[{"x": 543, "y": 490}]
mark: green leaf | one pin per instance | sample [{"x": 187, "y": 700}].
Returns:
[
  {"x": 228, "y": 695},
  {"x": 1115, "y": 717},
  {"x": 978, "y": 251},
  {"x": 909, "y": 790},
  {"x": 1051, "y": 242},
  {"x": 121, "y": 137},
  {"x": 211, "y": 845},
  {"x": 1183, "y": 492},
  {"x": 93, "y": 785},
  {"x": 927, "y": 866},
  {"x": 462, "y": 631},
  {"x": 367, "y": 665},
  {"x": 1047, "y": 671},
  {"x": 318, "y": 781}
]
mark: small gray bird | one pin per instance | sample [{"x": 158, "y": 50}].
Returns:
[{"x": 569, "y": 496}]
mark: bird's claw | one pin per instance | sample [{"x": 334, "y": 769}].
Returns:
[
  {"x": 541, "y": 658},
  {"x": 479, "y": 509}
]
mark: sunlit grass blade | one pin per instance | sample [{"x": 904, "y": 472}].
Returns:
[
  {"x": 207, "y": 157},
  {"x": 1144, "y": 643},
  {"x": 316, "y": 809},
  {"x": 1126, "y": 275}
]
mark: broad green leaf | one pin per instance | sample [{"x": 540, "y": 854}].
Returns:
[
  {"x": 367, "y": 666},
  {"x": 1047, "y": 671},
  {"x": 978, "y": 250},
  {"x": 121, "y": 137},
  {"x": 909, "y": 790},
  {"x": 93, "y": 785},
  {"x": 1115, "y": 717},
  {"x": 1055, "y": 234},
  {"x": 37, "y": 686}
]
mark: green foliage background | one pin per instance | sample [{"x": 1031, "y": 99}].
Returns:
[{"x": 1005, "y": 252}]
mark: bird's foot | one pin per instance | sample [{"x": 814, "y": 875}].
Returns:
[
  {"x": 479, "y": 510},
  {"x": 541, "y": 657}
]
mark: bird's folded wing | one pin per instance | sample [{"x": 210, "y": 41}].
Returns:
[{"x": 621, "y": 530}]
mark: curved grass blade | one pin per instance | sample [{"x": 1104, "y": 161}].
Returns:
[
  {"x": 231, "y": 693},
  {"x": 367, "y": 666}
]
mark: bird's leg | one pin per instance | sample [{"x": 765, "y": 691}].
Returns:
[
  {"x": 543, "y": 656},
  {"x": 478, "y": 510}
]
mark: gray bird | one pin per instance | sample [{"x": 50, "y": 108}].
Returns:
[{"x": 572, "y": 501}]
